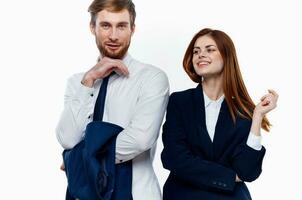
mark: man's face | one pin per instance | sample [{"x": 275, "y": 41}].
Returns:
[{"x": 113, "y": 33}]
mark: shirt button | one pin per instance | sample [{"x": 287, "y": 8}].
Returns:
[
  {"x": 91, "y": 95},
  {"x": 89, "y": 117}
]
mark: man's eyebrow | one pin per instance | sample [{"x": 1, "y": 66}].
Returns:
[
  {"x": 104, "y": 22},
  {"x": 123, "y": 23}
]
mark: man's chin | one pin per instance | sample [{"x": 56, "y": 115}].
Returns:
[{"x": 113, "y": 54}]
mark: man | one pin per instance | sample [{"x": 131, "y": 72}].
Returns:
[{"x": 136, "y": 99}]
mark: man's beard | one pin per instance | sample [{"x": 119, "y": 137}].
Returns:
[{"x": 112, "y": 54}]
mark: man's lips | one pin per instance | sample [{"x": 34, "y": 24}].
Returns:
[{"x": 113, "y": 46}]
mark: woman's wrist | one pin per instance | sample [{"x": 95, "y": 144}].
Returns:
[
  {"x": 257, "y": 116},
  {"x": 256, "y": 123}
]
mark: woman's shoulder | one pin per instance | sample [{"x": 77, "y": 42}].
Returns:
[
  {"x": 184, "y": 97},
  {"x": 182, "y": 94}
]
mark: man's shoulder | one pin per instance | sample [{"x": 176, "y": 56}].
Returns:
[
  {"x": 76, "y": 77},
  {"x": 147, "y": 68},
  {"x": 74, "y": 80}
]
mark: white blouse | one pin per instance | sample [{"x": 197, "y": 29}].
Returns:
[{"x": 212, "y": 108}]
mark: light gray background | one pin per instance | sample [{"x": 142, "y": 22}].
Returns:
[{"x": 42, "y": 43}]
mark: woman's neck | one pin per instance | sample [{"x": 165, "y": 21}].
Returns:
[{"x": 213, "y": 87}]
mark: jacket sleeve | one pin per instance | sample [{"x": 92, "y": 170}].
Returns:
[
  {"x": 247, "y": 162},
  {"x": 181, "y": 161}
]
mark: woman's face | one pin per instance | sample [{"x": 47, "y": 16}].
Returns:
[{"x": 207, "y": 60}]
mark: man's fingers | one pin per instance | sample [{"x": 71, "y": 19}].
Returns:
[
  {"x": 109, "y": 71},
  {"x": 107, "y": 65},
  {"x": 119, "y": 66},
  {"x": 120, "y": 63},
  {"x": 122, "y": 67},
  {"x": 62, "y": 167}
]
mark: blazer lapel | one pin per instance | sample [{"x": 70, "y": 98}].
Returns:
[
  {"x": 224, "y": 129},
  {"x": 200, "y": 122}
]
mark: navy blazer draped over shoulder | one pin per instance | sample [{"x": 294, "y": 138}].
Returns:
[{"x": 199, "y": 168}]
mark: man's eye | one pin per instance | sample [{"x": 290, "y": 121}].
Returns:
[
  {"x": 105, "y": 26},
  {"x": 122, "y": 26}
]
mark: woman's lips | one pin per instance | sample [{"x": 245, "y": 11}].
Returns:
[{"x": 202, "y": 63}]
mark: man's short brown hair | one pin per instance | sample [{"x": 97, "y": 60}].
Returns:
[{"x": 112, "y": 6}]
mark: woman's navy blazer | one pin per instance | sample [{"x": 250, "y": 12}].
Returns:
[{"x": 199, "y": 168}]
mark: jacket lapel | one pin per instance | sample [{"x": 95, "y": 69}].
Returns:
[
  {"x": 200, "y": 122},
  {"x": 224, "y": 130}
]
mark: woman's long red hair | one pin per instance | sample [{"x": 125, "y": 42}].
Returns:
[{"x": 235, "y": 92}]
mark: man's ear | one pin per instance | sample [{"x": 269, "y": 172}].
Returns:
[
  {"x": 132, "y": 29},
  {"x": 92, "y": 28}
]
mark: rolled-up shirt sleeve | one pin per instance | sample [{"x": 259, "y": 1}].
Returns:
[{"x": 254, "y": 141}]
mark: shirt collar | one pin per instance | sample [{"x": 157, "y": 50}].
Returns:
[
  {"x": 127, "y": 59},
  {"x": 208, "y": 101}
]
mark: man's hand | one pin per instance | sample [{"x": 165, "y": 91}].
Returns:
[
  {"x": 62, "y": 167},
  {"x": 238, "y": 179},
  {"x": 102, "y": 69}
]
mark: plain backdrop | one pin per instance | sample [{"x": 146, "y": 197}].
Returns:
[{"x": 42, "y": 43}]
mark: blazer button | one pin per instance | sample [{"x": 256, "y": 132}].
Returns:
[
  {"x": 224, "y": 185},
  {"x": 214, "y": 182}
]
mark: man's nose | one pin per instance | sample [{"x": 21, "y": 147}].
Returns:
[{"x": 113, "y": 34}]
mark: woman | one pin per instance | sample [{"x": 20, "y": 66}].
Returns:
[{"x": 212, "y": 132}]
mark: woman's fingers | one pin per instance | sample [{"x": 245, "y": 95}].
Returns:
[{"x": 273, "y": 92}]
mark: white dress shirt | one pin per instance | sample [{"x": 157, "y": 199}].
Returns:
[
  {"x": 212, "y": 109},
  {"x": 137, "y": 103}
]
